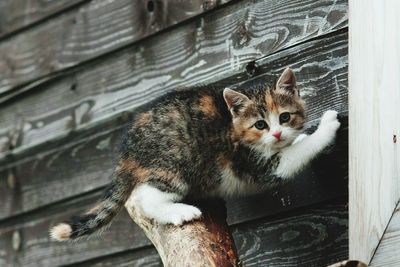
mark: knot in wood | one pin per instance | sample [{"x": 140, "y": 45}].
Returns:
[
  {"x": 209, "y": 4},
  {"x": 252, "y": 69},
  {"x": 150, "y": 6},
  {"x": 73, "y": 87},
  {"x": 241, "y": 36}
]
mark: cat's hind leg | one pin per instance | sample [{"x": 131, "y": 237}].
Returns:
[{"x": 164, "y": 207}]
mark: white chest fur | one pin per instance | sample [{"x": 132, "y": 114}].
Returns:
[{"x": 231, "y": 185}]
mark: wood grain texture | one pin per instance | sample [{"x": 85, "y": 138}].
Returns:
[
  {"x": 81, "y": 99},
  {"x": 83, "y": 160},
  {"x": 287, "y": 239},
  {"x": 374, "y": 122},
  {"x": 314, "y": 237},
  {"x": 18, "y": 14},
  {"x": 144, "y": 257},
  {"x": 387, "y": 253},
  {"x": 202, "y": 50},
  {"x": 94, "y": 28}
]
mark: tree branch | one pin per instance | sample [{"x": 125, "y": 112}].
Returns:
[{"x": 204, "y": 242}]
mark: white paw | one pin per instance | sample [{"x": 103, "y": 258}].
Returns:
[
  {"x": 328, "y": 126},
  {"x": 180, "y": 213},
  {"x": 328, "y": 117},
  {"x": 329, "y": 121}
]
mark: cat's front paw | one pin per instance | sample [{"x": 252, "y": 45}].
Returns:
[
  {"x": 329, "y": 121},
  {"x": 328, "y": 126}
]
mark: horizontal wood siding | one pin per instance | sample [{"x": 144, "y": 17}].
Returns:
[
  {"x": 18, "y": 14},
  {"x": 71, "y": 75},
  {"x": 94, "y": 28},
  {"x": 83, "y": 161},
  {"x": 312, "y": 237},
  {"x": 202, "y": 50}
]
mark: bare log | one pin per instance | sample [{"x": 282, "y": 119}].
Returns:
[{"x": 203, "y": 242}]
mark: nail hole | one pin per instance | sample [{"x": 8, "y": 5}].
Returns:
[
  {"x": 73, "y": 87},
  {"x": 251, "y": 69},
  {"x": 394, "y": 139},
  {"x": 150, "y": 6}
]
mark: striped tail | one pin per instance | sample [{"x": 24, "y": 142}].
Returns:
[{"x": 96, "y": 218}]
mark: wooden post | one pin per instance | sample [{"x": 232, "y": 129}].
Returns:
[
  {"x": 204, "y": 242},
  {"x": 374, "y": 119}
]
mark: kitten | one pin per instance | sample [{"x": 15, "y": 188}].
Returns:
[{"x": 207, "y": 142}]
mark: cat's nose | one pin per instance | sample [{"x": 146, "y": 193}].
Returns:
[{"x": 277, "y": 135}]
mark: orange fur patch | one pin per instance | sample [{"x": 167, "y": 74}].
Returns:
[
  {"x": 134, "y": 168},
  {"x": 252, "y": 135},
  {"x": 142, "y": 174},
  {"x": 207, "y": 106},
  {"x": 249, "y": 135}
]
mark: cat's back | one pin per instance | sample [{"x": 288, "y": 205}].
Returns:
[
  {"x": 188, "y": 106},
  {"x": 181, "y": 121}
]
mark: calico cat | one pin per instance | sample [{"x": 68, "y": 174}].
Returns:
[{"x": 204, "y": 142}]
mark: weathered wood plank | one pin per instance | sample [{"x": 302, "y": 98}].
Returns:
[
  {"x": 315, "y": 237},
  {"x": 147, "y": 257},
  {"x": 17, "y": 14},
  {"x": 95, "y": 28},
  {"x": 81, "y": 34},
  {"x": 83, "y": 160},
  {"x": 287, "y": 239},
  {"x": 81, "y": 98},
  {"x": 241, "y": 32},
  {"x": 387, "y": 253},
  {"x": 374, "y": 184}
]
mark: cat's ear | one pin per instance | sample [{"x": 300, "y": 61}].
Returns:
[
  {"x": 235, "y": 100},
  {"x": 287, "y": 81}
]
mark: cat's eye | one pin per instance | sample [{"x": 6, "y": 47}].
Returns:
[
  {"x": 284, "y": 117},
  {"x": 261, "y": 125}
]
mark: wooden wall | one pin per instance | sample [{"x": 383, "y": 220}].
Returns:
[{"x": 71, "y": 72}]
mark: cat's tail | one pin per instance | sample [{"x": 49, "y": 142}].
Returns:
[{"x": 97, "y": 217}]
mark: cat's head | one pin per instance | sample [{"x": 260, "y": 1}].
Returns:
[{"x": 270, "y": 119}]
